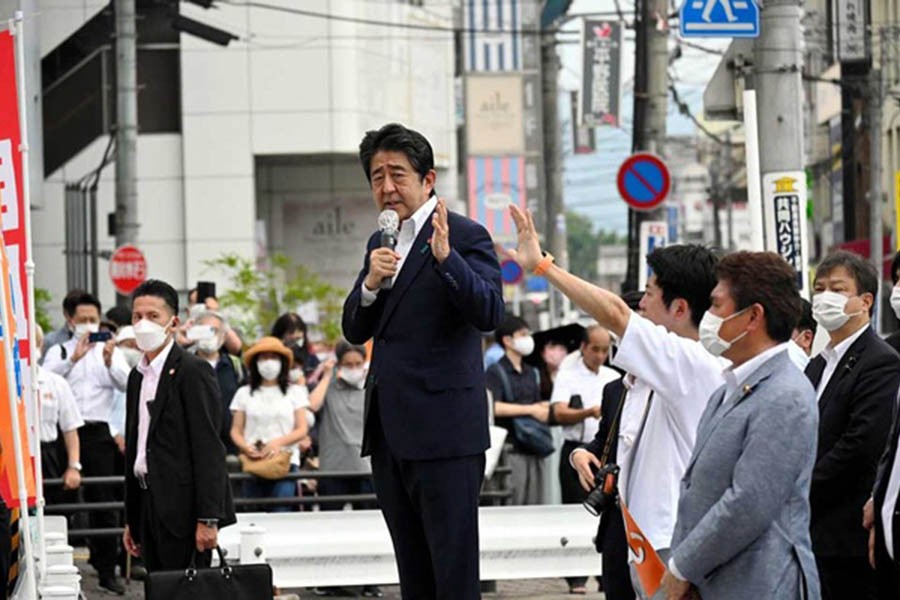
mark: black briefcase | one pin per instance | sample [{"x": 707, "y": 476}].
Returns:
[{"x": 232, "y": 582}]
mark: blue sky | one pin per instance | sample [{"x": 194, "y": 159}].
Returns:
[{"x": 589, "y": 180}]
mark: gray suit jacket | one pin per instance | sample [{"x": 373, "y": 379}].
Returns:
[{"x": 743, "y": 515}]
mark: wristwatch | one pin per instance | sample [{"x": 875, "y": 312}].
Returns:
[
  {"x": 75, "y": 465},
  {"x": 209, "y": 522}
]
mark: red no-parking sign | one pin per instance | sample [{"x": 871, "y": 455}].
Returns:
[{"x": 127, "y": 269}]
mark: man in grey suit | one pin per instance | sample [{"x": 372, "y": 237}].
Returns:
[{"x": 742, "y": 530}]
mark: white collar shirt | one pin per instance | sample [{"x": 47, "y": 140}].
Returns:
[
  {"x": 681, "y": 376},
  {"x": 737, "y": 376},
  {"x": 890, "y": 503},
  {"x": 577, "y": 379},
  {"x": 409, "y": 231},
  {"x": 58, "y": 407},
  {"x": 833, "y": 356},
  {"x": 151, "y": 373},
  {"x": 93, "y": 383}
]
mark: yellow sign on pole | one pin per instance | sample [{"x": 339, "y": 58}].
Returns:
[{"x": 897, "y": 210}]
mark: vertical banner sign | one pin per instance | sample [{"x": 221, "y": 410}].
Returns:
[
  {"x": 11, "y": 200},
  {"x": 601, "y": 86},
  {"x": 784, "y": 212},
  {"x": 8, "y": 467},
  {"x": 583, "y": 141},
  {"x": 851, "y": 30},
  {"x": 494, "y": 184},
  {"x": 896, "y": 211},
  {"x": 650, "y": 568},
  {"x": 492, "y": 39},
  {"x": 653, "y": 235},
  {"x": 836, "y": 177}
]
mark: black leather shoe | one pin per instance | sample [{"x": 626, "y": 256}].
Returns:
[{"x": 111, "y": 585}]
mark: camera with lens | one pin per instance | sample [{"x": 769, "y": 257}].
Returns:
[{"x": 605, "y": 492}]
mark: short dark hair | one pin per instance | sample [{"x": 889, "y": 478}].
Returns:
[
  {"x": 343, "y": 347},
  {"x": 509, "y": 326},
  {"x": 685, "y": 271},
  {"x": 764, "y": 278},
  {"x": 288, "y": 323},
  {"x": 394, "y": 137},
  {"x": 159, "y": 289},
  {"x": 68, "y": 303},
  {"x": 633, "y": 298},
  {"x": 119, "y": 315},
  {"x": 862, "y": 271},
  {"x": 83, "y": 298},
  {"x": 895, "y": 268},
  {"x": 806, "y": 317}
]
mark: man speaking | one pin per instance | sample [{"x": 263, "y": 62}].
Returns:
[{"x": 425, "y": 303}]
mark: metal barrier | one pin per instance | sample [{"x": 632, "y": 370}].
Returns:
[{"x": 493, "y": 497}]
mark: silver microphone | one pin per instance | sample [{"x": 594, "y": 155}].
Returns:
[{"x": 389, "y": 225}]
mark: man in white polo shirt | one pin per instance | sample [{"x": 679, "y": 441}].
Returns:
[{"x": 670, "y": 375}]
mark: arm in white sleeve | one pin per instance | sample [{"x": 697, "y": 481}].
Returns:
[{"x": 368, "y": 296}]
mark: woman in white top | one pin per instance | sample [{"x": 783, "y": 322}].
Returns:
[{"x": 269, "y": 416}]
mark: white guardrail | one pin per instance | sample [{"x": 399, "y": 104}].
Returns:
[{"x": 354, "y": 548}]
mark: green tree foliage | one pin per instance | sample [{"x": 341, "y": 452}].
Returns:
[
  {"x": 583, "y": 244},
  {"x": 41, "y": 300},
  {"x": 256, "y": 297}
]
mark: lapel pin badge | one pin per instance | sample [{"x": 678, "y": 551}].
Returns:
[
  {"x": 171, "y": 371},
  {"x": 746, "y": 389}
]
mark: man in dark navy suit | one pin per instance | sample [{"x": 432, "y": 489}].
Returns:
[{"x": 426, "y": 425}]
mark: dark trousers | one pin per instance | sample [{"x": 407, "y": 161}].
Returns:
[
  {"x": 98, "y": 459},
  {"x": 161, "y": 550},
  {"x": 431, "y": 510},
  {"x": 5, "y": 548},
  {"x": 887, "y": 571},
  {"x": 572, "y": 492},
  {"x": 345, "y": 487},
  {"x": 614, "y": 557},
  {"x": 846, "y": 577}
]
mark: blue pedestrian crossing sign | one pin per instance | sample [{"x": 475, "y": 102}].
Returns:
[{"x": 719, "y": 18}]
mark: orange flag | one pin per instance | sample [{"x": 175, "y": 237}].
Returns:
[
  {"x": 8, "y": 468},
  {"x": 650, "y": 568}
]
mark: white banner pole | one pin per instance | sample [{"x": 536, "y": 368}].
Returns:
[{"x": 754, "y": 180}]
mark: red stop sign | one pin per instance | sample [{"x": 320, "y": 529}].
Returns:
[{"x": 127, "y": 269}]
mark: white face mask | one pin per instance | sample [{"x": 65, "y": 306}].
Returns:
[
  {"x": 149, "y": 336},
  {"x": 196, "y": 310},
  {"x": 209, "y": 345},
  {"x": 523, "y": 345},
  {"x": 200, "y": 332},
  {"x": 895, "y": 300},
  {"x": 83, "y": 328},
  {"x": 132, "y": 356},
  {"x": 294, "y": 375},
  {"x": 269, "y": 368},
  {"x": 828, "y": 310},
  {"x": 709, "y": 333},
  {"x": 354, "y": 377}
]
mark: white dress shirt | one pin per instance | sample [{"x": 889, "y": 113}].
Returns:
[
  {"x": 269, "y": 413},
  {"x": 798, "y": 355},
  {"x": 833, "y": 356},
  {"x": 409, "y": 231},
  {"x": 92, "y": 382},
  {"x": 682, "y": 376},
  {"x": 577, "y": 379},
  {"x": 149, "y": 383},
  {"x": 890, "y": 501},
  {"x": 58, "y": 405}
]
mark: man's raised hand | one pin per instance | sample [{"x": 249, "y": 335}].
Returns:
[{"x": 528, "y": 254}]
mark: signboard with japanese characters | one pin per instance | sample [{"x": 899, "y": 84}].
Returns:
[
  {"x": 851, "y": 30},
  {"x": 601, "y": 87},
  {"x": 784, "y": 211}
]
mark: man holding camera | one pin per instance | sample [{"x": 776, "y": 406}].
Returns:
[
  {"x": 94, "y": 369},
  {"x": 670, "y": 378}
]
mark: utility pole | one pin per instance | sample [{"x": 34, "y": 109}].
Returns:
[
  {"x": 555, "y": 231},
  {"x": 126, "y": 127},
  {"x": 876, "y": 228},
  {"x": 728, "y": 169},
  {"x": 651, "y": 95}
]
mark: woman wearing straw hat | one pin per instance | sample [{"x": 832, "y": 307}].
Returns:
[{"x": 269, "y": 420}]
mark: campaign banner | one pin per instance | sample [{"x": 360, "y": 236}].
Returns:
[
  {"x": 11, "y": 199},
  {"x": 494, "y": 184},
  {"x": 784, "y": 211},
  {"x": 650, "y": 568},
  {"x": 601, "y": 77}
]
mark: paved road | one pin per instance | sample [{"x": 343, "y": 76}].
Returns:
[{"x": 528, "y": 589}]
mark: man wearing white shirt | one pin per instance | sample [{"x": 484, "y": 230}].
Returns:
[
  {"x": 856, "y": 378},
  {"x": 575, "y": 403},
  {"x": 671, "y": 374},
  {"x": 94, "y": 371}
]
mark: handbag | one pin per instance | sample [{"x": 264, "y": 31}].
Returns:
[
  {"x": 272, "y": 467},
  {"x": 235, "y": 582},
  {"x": 531, "y": 434}
]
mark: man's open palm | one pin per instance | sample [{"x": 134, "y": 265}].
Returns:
[{"x": 528, "y": 253}]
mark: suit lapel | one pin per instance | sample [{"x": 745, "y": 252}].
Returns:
[
  {"x": 419, "y": 255},
  {"x": 814, "y": 371},
  {"x": 846, "y": 364},
  {"x": 726, "y": 405},
  {"x": 163, "y": 389}
]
